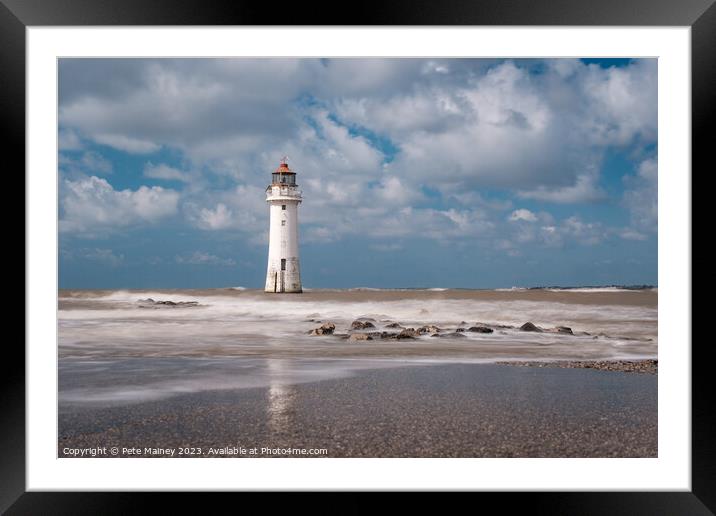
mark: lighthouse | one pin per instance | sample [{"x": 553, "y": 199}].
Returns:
[{"x": 283, "y": 273}]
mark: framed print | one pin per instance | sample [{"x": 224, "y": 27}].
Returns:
[{"x": 441, "y": 249}]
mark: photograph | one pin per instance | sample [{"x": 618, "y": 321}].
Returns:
[{"x": 357, "y": 257}]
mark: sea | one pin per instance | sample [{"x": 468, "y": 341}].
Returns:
[{"x": 117, "y": 347}]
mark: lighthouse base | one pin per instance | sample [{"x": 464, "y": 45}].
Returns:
[{"x": 284, "y": 281}]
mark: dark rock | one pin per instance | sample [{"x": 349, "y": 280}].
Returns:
[
  {"x": 325, "y": 329},
  {"x": 152, "y": 302},
  {"x": 360, "y": 325},
  {"x": 528, "y": 326},
  {"x": 480, "y": 329},
  {"x": 460, "y": 330},
  {"x": 408, "y": 333},
  {"x": 393, "y": 325},
  {"x": 564, "y": 329},
  {"x": 428, "y": 329}
]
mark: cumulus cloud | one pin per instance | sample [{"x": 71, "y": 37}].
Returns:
[
  {"x": 503, "y": 126},
  {"x": 242, "y": 209},
  {"x": 384, "y": 148},
  {"x": 522, "y": 214},
  {"x": 641, "y": 198},
  {"x": 91, "y": 206},
  {"x": 163, "y": 171},
  {"x": 218, "y": 218},
  {"x": 584, "y": 189},
  {"x": 88, "y": 162},
  {"x": 621, "y": 102},
  {"x": 588, "y": 233},
  {"x": 543, "y": 230},
  {"x": 126, "y": 143}
]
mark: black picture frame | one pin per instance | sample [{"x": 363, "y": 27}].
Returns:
[{"x": 700, "y": 15}]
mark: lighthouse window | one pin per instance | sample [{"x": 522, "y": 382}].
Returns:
[
  {"x": 283, "y": 222},
  {"x": 283, "y": 206},
  {"x": 283, "y": 264}
]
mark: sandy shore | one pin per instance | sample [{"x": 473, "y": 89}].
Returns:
[{"x": 455, "y": 410}]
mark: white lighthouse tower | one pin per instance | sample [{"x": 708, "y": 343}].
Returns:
[{"x": 283, "y": 273}]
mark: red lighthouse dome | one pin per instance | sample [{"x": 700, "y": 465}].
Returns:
[{"x": 283, "y": 175}]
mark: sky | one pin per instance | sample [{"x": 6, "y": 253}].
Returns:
[{"x": 463, "y": 173}]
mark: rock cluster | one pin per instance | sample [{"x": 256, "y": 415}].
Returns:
[
  {"x": 361, "y": 325},
  {"x": 407, "y": 333},
  {"x": 355, "y": 333},
  {"x": 428, "y": 329},
  {"x": 325, "y": 329},
  {"x": 149, "y": 302}
]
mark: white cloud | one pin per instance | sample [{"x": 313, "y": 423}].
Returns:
[
  {"x": 522, "y": 214},
  {"x": 126, "y": 143},
  {"x": 585, "y": 189},
  {"x": 505, "y": 128},
  {"x": 164, "y": 171},
  {"x": 88, "y": 162},
  {"x": 541, "y": 229},
  {"x": 621, "y": 102},
  {"x": 459, "y": 126},
  {"x": 91, "y": 206},
  {"x": 218, "y": 218},
  {"x": 587, "y": 233},
  {"x": 396, "y": 192},
  {"x": 242, "y": 209},
  {"x": 641, "y": 197}
]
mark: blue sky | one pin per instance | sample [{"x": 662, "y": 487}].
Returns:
[{"x": 475, "y": 173}]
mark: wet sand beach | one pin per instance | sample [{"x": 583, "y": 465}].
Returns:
[
  {"x": 450, "y": 410},
  {"x": 236, "y": 369}
]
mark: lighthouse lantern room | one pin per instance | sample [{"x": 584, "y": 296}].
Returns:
[{"x": 283, "y": 273}]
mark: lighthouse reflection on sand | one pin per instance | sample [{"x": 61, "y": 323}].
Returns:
[{"x": 283, "y": 274}]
